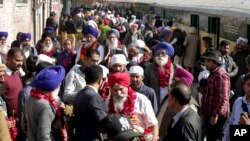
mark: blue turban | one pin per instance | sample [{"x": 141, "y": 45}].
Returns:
[
  {"x": 3, "y": 34},
  {"x": 165, "y": 46},
  {"x": 49, "y": 29},
  {"x": 49, "y": 78},
  {"x": 114, "y": 32},
  {"x": 91, "y": 17},
  {"x": 24, "y": 36},
  {"x": 90, "y": 30}
]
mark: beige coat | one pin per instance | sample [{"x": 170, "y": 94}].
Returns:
[
  {"x": 192, "y": 42},
  {"x": 4, "y": 130}
]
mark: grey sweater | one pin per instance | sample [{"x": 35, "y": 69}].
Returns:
[{"x": 40, "y": 116}]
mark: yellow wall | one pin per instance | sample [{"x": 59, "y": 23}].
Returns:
[
  {"x": 203, "y": 34},
  {"x": 213, "y": 36}
]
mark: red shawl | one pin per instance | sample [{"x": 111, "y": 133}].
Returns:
[
  {"x": 50, "y": 53},
  {"x": 84, "y": 49},
  {"x": 164, "y": 75}
]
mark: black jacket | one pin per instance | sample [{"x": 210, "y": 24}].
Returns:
[
  {"x": 187, "y": 128},
  {"x": 89, "y": 110}
]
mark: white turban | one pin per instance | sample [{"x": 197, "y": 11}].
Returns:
[
  {"x": 44, "y": 58},
  {"x": 140, "y": 43},
  {"x": 105, "y": 71},
  {"x": 192, "y": 30},
  {"x": 242, "y": 39},
  {"x": 137, "y": 70},
  {"x": 118, "y": 59}
]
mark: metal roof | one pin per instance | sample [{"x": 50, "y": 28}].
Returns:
[{"x": 236, "y": 8}]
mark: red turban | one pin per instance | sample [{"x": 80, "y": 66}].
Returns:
[{"x": 121, "y": 78}]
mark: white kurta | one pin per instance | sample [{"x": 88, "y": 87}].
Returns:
[{"x": 144, "y": 111}]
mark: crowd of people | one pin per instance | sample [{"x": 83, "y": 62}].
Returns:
[{"x": 112, "y": 74}]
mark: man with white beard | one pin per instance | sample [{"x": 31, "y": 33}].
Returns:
[
  {"x": 124, "y": 100},
  {"x": 91, "y": 35},
  {"x": 113, "y": 45},
  {"x": 4, "y": 48},
  {"x": 42, "y": 107},
  {"x": 25, "y": 40},
  {"x": 159, "y": 74},
  {"x": 47, "y": 47},
  {"x": 112, "y": 39}
]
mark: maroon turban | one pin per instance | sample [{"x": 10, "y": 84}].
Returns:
[{"x": 121, "y": 78}]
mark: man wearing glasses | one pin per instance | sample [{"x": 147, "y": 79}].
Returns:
[{"x": 159, "y": 74}]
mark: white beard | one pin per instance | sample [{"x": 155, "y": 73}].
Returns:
[
  {"x": 47, "y": 48},
  {"x": 4, "y": 49},
  {"x": 119, "y": 103},
  {"x": 161, "y": 61},
  {"x": 55, "y": 93},
  {"x": 113, "y": 44},
  {"x": 133, "y": 32}
]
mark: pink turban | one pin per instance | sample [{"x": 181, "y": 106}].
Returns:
[
  {"x": 121, "y": 78},
  {"x": 184, "y": 75}
]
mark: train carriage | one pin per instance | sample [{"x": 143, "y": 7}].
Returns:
[{"x": 226, "y": 19}]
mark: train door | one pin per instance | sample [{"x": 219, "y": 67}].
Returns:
[
  {"x": 248, "y": 32},
  {"x": 194, "y": 22},
  {"x": 214, "y": 30}
]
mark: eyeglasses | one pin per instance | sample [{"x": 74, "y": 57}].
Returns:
[
  {"x": 161, "y": 53},
  {"x": 89, "y": 37},
  {"x": 111, "y": 37},
  {"x": 2, "y": 39}
]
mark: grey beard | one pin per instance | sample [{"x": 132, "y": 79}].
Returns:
[
  {"x": 88, "y": 44},
  {"x": 4, "y": 49}
]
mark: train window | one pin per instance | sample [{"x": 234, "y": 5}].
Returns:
[
  {"x": 194, "y": 21},
  {"x": 22, "y": 1}
]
